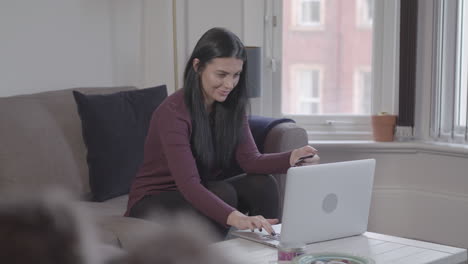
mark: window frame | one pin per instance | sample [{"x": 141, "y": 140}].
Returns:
[
  {"x": 296, "y": 68},
  {"x": 296, "y": 15},
  {"x": 447, "y": 72},
  {"x": 385, "y": 59}
]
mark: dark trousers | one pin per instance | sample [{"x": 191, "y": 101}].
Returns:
[{"x": 255, "y": 194}]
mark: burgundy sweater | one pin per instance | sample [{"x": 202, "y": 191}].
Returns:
[{"x": 169, "y": 165}]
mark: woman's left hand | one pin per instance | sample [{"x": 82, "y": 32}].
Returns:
[{"x": 301, "y": 156}]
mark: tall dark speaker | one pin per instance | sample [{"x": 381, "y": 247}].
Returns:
[{"x": 254, "y": 71}]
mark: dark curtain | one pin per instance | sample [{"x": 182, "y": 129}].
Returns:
[{"x": 408, "y": 39}]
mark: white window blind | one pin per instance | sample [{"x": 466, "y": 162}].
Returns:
[{"x": 449, "y": 99}]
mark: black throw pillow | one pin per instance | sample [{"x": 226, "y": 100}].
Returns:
[{"x": 114, "y": 131}]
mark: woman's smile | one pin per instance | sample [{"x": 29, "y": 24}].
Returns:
[
  {"x": 219, "y": 78},
  {"x": 225, "y": 93}
]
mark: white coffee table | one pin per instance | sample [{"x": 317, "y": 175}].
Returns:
[{"x": 382, "y": 248}]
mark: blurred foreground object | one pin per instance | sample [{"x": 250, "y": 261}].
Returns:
[
  {"x": 179, "y": 239},
  {"x": 45, "y": 228}
]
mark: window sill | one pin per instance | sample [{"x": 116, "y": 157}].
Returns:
[{"x": 439, "y": 148}]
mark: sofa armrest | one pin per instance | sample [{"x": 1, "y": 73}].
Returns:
[{"x": 284, "y": 137}]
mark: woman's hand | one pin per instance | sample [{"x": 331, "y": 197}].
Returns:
[
  {"x": 241, "y": 222},
  {"x": 297, "y": 156}
]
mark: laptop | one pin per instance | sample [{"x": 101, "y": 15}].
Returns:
[{"x": 322, "y": 202}]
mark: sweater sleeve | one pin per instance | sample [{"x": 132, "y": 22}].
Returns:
[
  {"x": 252, "y": 161},
  {"x": 175, "y": 138}
]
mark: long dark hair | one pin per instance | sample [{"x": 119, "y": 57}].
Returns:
[{"x": 216, "y": 135}]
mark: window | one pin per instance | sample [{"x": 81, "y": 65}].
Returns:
[
  {"x": 305, "y": 14},
  {"x": 335, "y": 99},
  {"x": 306, "y": 83},
  {"x": 449, "y": 116},
  {"x": 362, "y": 91},
  {"x": 309, "y": 12},
  {"x": 365, "y": 13},
  {"x": 462, "y": 65},
  {"x": 340, "y": 50}
]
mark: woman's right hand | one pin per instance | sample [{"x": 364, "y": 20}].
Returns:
[
  {"x": 297, "y": 155},
  {"x": 242, "y": 221}
]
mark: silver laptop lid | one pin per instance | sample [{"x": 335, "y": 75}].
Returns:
[{"x": 327, "y": 201}]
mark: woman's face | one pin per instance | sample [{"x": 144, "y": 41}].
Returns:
[{"x": 219, "y": 78}]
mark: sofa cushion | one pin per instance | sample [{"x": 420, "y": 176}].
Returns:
[
  {"x": 112, "y": 207},
  {"x": 114, "y": 128},
  {"x": 105, "y": 214},
  {"x": 34, "y": 151},
  {"x": 113, "y": 228},
  {"x": 41, "y": 142},
  {"x": 128, "y": 230}
]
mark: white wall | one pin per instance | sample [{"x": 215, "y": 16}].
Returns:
[
  {"x": 54, "y": 44},
  {"x": 420, "y": 191},
  {"x": 193, "y": 18},
  {"x": 158, "y": 44},
  {"x": 126, "y": 42}
]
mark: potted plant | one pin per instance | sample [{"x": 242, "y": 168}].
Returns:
[{"x": 383, "y": 126}]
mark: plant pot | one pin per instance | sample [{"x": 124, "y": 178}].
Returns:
[{"x": 383, "y": 127}]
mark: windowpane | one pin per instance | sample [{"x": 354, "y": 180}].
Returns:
[
  {"x": 307, "y": 81},
  {"x": 308, "y": 108},
  {"x": 449, "y": 117},
  {"x": 309, "y": 11},
  {"x": 362, "y": 91},
  {"x": 365, "y": 12},
  {"x": 315, "y": 11},
  {"x": 461, "y": 93},
  {"x": 370, "y": 9},
  {"x": 339, "y": 48}
]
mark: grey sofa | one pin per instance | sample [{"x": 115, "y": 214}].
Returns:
[{"x": 41, "y": 145}]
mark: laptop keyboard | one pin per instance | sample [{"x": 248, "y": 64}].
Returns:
[{"x": 271, "y": 237}]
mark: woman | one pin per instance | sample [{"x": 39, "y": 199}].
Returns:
[{"x": 197, "y": 133}]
